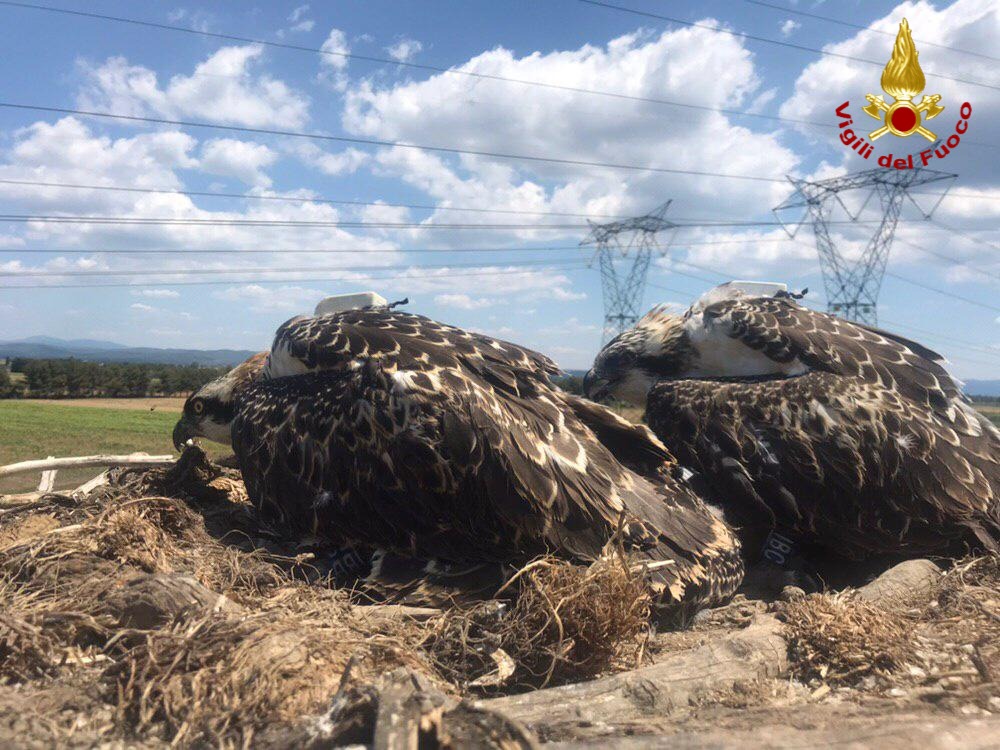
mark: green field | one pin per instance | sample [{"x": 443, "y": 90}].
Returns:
[
  {"x": 990, "y": 410},
  {"x": 36, "y": 430}
]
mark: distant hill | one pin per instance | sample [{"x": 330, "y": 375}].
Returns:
[
  {"x": 71, "y": 343},
  {"x": 88, "y": 350},
  {"x": 982, "y": 387}
]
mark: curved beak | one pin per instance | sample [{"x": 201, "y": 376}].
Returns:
[
  {"x": 182, "y": 433},
  {"x": 595, "y": 387}
]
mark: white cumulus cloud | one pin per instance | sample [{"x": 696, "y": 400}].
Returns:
[
  {"x": 332, "y": 61},
  {"x": 789, "y": 26},
  {"x": 156, "y": 293},
  {"x": 223, "y": 88},
  {"x": 404, "y": 49},
  {"x": 464, "y": 301},
  {"x": 696, "y": 66},
  {"x": 240, "y": 159},
  {"x": 343, "y": 162}
]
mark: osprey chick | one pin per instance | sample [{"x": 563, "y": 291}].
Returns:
[
  {"x": 839, "y": 434},
  {"x": 386, "y": 428}
]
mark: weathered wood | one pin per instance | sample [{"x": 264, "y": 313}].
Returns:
[
  {"x": 132, "y": 459},
  {"x": 89, "y": 486},
  {"x": 891, "y": 732},
  {"x": 152, "y": 600},
  {"x": 913, "y": 578},
  {"x": 48, "y": 481},
  {"x": 395, "y": 611},
  {"x": 678, "y": 680},
  {"x": 397, "y": 723},
  {"x": 404, "y": 710},
  {"x": 413, "y": 713},
  {"x": 21, "y": 498},
  {"x": 31, "y": 497}
]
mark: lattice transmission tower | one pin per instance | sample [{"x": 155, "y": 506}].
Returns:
[
  {"x": 853, "y": 283},
  {"x": 624, "y": 251}
]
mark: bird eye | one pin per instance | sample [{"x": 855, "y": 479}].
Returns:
[{"x": 197, "y": 406}]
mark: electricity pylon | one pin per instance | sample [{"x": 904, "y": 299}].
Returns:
[
  {"x": 624, "y": 251},
  {"x": 853, "y": 284}
]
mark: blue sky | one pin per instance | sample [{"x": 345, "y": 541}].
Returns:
[{"x": 543, "y": 297}]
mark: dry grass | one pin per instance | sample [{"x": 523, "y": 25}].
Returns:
[
  {"x": 218, "y": 676},
  {"x": 945, "y": 645},
  {"x": 186, "y": 619},
  {"x": 840, "y": 639},
  {"x": 156, "y": 591},
  {"x": 566, "y": 623}
]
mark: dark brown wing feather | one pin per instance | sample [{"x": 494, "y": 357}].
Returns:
[
  {"x": 452, "y": 464},
  {"x": 405, "y": 341},
  {"x": 634, "y": 445},
  {"x": 785, "y": 331},
  {"x": 844, "y": 462}
]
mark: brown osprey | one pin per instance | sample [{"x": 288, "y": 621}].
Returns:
[
  {"x": 840, "y": 434},
  {"x": 384, "y": 428}
]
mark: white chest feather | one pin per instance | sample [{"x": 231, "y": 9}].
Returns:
[
  {"x": 720, "y": 355},
  {"x": 281, "y": 363}
]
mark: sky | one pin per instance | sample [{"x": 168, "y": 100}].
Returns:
[{"x": 313, "y": 195}]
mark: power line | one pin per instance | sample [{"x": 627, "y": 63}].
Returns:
[
  {"x": 967, "y": 234},
  {"x": 403, "y": 277},
  {"x": 388, "y": 144},
  {"x": 937, "y": 290},
  {"x": 768, "y": 40},
  {"x": 245, "y": 222},
  {"x": 848, "y": 24},
  {"x": 951, "y": 259},
  {"x": 322, "y": 251},
  {"x": 414, "y": 65},
  {"x": 951, "y": 341},
  {"x": 972, "y": 196},
  {"x": 347, "y": 202},
  {"x": 220, "y": 271},
  {"x": 293, "y": 199},
  {"x": 667, "y": 288},
  {"x": 437, "y": 69},
  {"x": 293, "y": 250},
  {"x": 182, "y": 221},
  {"x": 384, "y": 143},
  {"x": 944, "y": 292}
]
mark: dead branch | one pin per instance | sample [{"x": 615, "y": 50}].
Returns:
[
  {"x": 889, "y": 733},
  {"x": 656, "y": 690}
]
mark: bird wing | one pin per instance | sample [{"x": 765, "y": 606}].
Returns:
[
  {"x": 798, "y": 339},
  {"x": 633, "y": 445},
  {"x": 400, "y": 340},
  {"x": 843, "y": 461},
  {"x": 457, "y": 468}
]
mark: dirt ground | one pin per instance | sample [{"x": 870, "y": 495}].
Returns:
[{"x": 161, "y": 609}]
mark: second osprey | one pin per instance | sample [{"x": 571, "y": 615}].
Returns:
[{"x": 839, "y": 435}]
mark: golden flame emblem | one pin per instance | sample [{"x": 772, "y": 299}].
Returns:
[{"x": 903, "y": 79}]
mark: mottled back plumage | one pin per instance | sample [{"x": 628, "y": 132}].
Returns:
[
  {"x": 844, "y": 435},
  {"x": 386, "y": 428}
]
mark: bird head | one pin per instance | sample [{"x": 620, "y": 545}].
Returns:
[
  {"x": 209, "y": 411},
  {"x": 626, "y": 368}
]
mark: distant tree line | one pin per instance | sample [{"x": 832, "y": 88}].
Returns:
[
  {"x": 71, "y": 378},
  {"x": 985, "y": 399},
  {"x": 569, "y": 383}
]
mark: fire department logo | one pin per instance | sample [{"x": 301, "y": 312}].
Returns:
[{"x": 903, "y": 80}]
